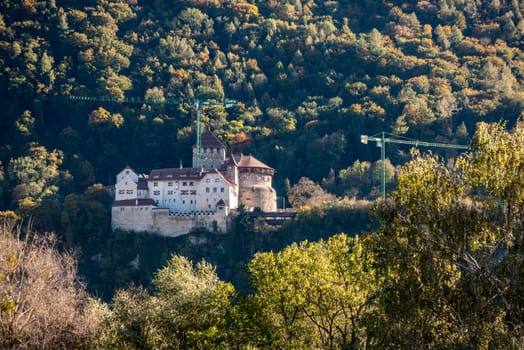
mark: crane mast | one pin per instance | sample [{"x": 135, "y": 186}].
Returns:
[
  {"x": 382, "y": 138},
  {"x": 197, "y": 105}
]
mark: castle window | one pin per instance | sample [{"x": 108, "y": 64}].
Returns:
[
  {"x": 193, "y": 192},
  {"x": 209, "y": 206},
  {"x": 155, "y": 184},
  {"x": 125, "y": 183},
  {"x": 191, "y": 183},
  {"x": 205, "y": 150},
  {"x": 222, "y": 189},
  {"x": 170, "y": 192},
  {"x": 129, "y": 191},
  {"x": 191, "y": 202},
  {"x": 217, "y": 180},
  {"x": 183, "y": 202},
  {"x": 170, "y": 184},
  {"x": 214, "y": 189},
  {"x": 169, "y": 175},
  {"x": 218, "y": 149},
  {"x": 208, "y": 180},
  {"x": 184, "y": 183},
  {"x": 156, "y": 193},
  {"x": 122, "y": 209},
  {"x": 121, "y": 191},
  {"x": 207, "y": 189},
  {"x": 184, "y": 192}
]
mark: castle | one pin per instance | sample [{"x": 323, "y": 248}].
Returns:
[{"x": 173, "y": 201}]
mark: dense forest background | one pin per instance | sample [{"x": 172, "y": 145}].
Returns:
[
  {"x": 87, "y": 87},
  {"x": 310, "y": 77}
]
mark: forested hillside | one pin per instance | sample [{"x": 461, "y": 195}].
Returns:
[
  {"x": 443, "y": 270},
  {"x": 88, "y": 87},
  {"x": 310, "y": 77}
]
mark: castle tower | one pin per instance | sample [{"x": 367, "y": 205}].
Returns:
[
  {"x": 255, "y": 184},
  {"x": 213, "y": 152},
  {"x": 230, "y": 169}
]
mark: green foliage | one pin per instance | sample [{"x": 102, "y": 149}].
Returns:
[
  {"x": 311, "y": 76},
  {"x": 308, "y": 193},
  {"x": 187, "y": 310},
  {"x": 35, "y": 176},
  {"x": 448, "y": 249},
  {"x": 315, "y": 294}
]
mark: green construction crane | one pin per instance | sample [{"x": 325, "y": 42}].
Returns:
[
  {"x": 384, "y": 137},
  {"x": 198, "y": 104}
]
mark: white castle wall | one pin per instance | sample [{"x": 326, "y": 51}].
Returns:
[
  {"x": 164, "y": 223},
  {"x": 125, "y": 188}
]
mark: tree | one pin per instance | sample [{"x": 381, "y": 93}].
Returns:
[
  {"x": 42, "y": 303},
  {"x": 35, "y": 176},
  {"x": 187, "y": 310},
  {"x": 449, "y": 249},
  {"x": 307, "y": 192},
  {"x": 86, "y": 212},
  {"x": 315, "y": 295}
]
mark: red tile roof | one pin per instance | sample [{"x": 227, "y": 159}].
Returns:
[
  {"x": 134, "y": 202},
  {"x": 251, "y": 162}
]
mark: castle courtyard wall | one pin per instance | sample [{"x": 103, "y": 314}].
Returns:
[{"x": 165, "y": 223}]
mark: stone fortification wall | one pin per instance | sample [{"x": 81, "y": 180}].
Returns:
[
  {"x": 132, "y": 218},
  {"x": 259, "y": 196},
  {"x": 164, "y": 223}
]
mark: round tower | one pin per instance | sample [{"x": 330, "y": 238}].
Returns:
[{"x": 255, "y": 179}]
